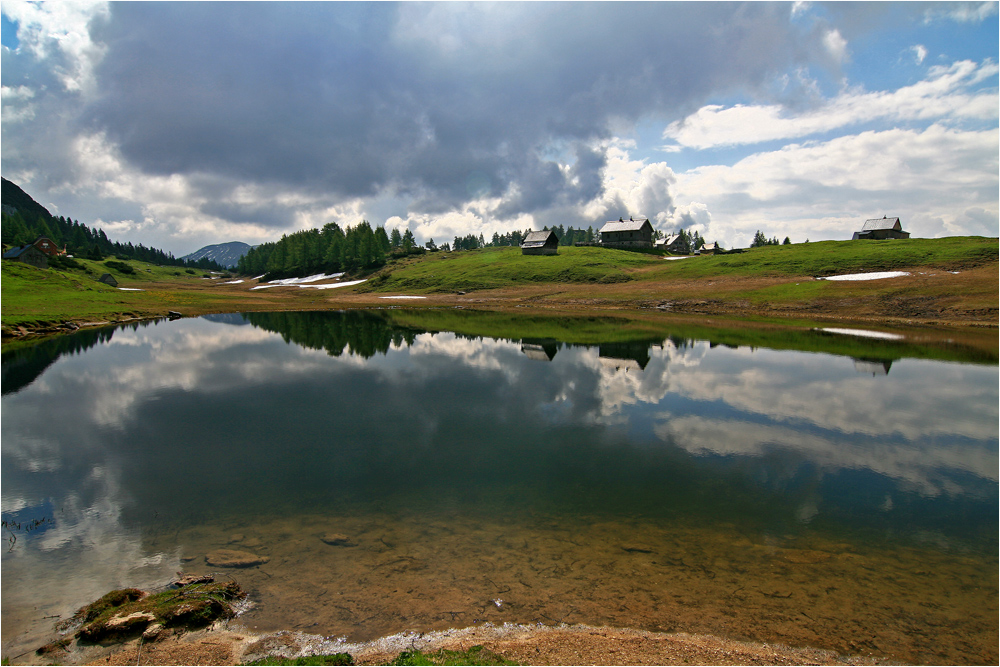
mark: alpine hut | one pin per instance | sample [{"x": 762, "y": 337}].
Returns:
[
  {"x": 28, "y": 254},
  {"x": 540, "y": 243},
  {"x": 629, "y": 233},
  {"x": 48, "y": 246},
  {"x": 881, "y": 228},
  {"x": 673, "y": 243}
]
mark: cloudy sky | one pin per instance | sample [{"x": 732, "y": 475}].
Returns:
[{"x": 183, "y": 124}]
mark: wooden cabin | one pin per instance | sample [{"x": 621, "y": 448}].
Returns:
[
  {"x": 28, "y": 254},
  {"x": 629, "y": 233},
  {"x": 540, "y": 243},
  {"x": 881, "y": 228}
]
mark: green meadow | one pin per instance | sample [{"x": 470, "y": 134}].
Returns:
[
  {"x": 35, "y": 297},
  {"x": 499, "y": 268}
]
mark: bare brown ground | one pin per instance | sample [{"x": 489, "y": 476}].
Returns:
[
  {"x": 567, "y": 645},
  {"x": 926, "y": 297},
  {"x": 968, "y": 299}
]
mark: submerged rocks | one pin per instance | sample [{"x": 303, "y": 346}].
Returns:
[
  {"x": 234, "y": 558},
  {"x": 805, "y": 556},
  {"x": 338, "y": 540}
]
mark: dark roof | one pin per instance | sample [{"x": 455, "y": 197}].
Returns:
[
  {"x": 881, "y": 223},
  {"x": 16, "y": 252},
  {"x": 624, "y": 225},
  {"x": 538, "y": 239}
]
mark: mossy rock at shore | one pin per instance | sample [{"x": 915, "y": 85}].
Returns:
[{"x": 126, "y": 612}]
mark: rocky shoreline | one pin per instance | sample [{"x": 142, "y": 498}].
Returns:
[
  {"x": 230, "y": 644},
  {"x": 196, "y": 620}
]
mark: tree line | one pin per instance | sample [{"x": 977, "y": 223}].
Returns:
[
  {"x": 328, "y": 250},
  {"x": 759, "y": 240},
  {"x": 86, "y": 243}
]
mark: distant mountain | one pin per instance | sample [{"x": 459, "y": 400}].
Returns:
[{"x": 226, "y": 254}]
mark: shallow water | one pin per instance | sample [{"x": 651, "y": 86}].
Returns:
[{"x": 665, "y": 484}]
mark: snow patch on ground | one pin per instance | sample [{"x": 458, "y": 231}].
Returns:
[
  {"x": 131, "y": 289},
  {"x": 347, "y": 284},
  {"x": 308, "y": 279},
  {"x": 232, "y": 282},
  {"x": 671, "y": 258},
  {"x": 863, "y": 333},
  {"x": 330, "y": 286},
  {"x": 877, "y": 275}
]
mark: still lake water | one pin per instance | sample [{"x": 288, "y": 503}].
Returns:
[{"x": 666, "y": 483}]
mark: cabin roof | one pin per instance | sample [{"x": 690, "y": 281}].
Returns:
[
  {"x": 537, "y": 239},
  {"x": 624, "y": 225},
  {"x": 881, "y": 223},
  {"x": 16, "y": 252}
]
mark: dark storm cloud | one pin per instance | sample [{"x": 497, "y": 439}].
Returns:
[
  {"x": 266, "y": 215},
  {"x": 345, "y": 99}
]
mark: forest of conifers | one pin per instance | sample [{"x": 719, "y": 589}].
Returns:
[
  {"x": 359, "y": 248},
  {"x": 23, "y": 220}
]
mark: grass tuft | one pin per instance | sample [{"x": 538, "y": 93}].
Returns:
[
  {"x": 477, "y": 655},
  {"x": 332, "y": 659}
]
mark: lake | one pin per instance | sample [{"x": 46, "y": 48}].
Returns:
[{"x": 806, "y": 487}]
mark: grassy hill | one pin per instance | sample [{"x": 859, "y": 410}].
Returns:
[
  {"x": 829, "y": 258},
  {"x": 494, "y": 268},
  {"x": 497, "y": 268},
  {"x": 35, "y": 297}
]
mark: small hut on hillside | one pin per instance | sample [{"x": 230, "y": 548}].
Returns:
[
  {"x": 673, "y": 243},
  {"x": 540, "y": 243},
  {"x": 881, "y": 228},
  {"x": 108, "y": 279},
  {"x": 28, "y": 254}
]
